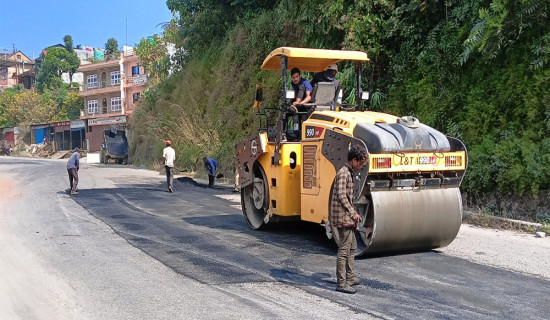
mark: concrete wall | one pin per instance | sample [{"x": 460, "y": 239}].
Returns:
[{"x": 77, "y": 77}]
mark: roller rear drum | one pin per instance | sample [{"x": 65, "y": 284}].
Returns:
[{"x": 408, "y": 220}]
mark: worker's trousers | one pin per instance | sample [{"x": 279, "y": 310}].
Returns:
[
  {"x": 169, "y": 177},
  {"x": 73, "y": 178},
  {"x": 347, "y": 247}
]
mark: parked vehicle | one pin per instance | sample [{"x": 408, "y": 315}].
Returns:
[{"x": 115, "y": 147}]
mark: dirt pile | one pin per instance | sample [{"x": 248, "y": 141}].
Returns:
[{"x": 39, "y": 150}]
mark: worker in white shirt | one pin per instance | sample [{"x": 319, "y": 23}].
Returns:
[{"x": 169, "y": 155}]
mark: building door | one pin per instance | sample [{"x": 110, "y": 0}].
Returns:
[
  {"x": 39, "y": 135},
  {"x": 76, "y": 138}
]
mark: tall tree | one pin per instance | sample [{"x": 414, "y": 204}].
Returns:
[
  {"x": 68, "y": 40},
  {"x": 153, "y": 54},
  {"x": 55, "y": 63},
  {"x": 111, "y": 46}
]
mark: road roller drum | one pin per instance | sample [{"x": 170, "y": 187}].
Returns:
[{"x": 411, "y": 220}]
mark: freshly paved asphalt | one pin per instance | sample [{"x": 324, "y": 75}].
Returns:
[{"x": 202, "y": 237}]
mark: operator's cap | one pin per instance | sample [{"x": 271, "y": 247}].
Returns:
[
  {"x": 168, "y": 142},
  {"x": 333, "y": 66}
]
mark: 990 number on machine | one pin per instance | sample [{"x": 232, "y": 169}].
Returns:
[{"x": 314, "y": 132}]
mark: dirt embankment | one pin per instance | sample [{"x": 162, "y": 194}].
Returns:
[{"x": 531, "y": 208}]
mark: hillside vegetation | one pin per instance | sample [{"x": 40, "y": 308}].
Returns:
[{"x": 477, "y": 70}]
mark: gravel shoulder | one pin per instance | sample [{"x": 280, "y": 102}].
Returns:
[{"x": 515, "y": 251}]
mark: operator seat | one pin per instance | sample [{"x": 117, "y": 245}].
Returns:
[{"x": 324, "y": 95}]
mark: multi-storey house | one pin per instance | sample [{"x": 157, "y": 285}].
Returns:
[
  {"x": 111, "y": 90},
  {"x": 16, "y": 69}
]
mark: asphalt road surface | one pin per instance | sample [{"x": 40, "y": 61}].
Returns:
[{"x": 124, "y": 248}]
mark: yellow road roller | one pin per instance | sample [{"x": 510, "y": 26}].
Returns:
[{"x": 407, "y": 194}]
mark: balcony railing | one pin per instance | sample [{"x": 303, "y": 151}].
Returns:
[
  {"x": 101, "y": 111},
  {"x": 99, "y": 85}
]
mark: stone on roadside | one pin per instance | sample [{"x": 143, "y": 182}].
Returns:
[{"x": 540, "y": 234}]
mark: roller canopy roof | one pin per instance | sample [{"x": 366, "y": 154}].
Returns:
[{"x": 310, "y": 59}]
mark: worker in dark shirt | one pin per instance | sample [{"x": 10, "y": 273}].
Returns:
[
  {"x": 73, "y": 164},
  {"x": 329, "y": 75}
]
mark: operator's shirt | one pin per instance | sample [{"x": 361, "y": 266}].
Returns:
[
  {"x": 301, "y": 88},
  {"x": 169, "y": 156},
  {"x": 341, "y": 208},
  {"x": 74, "y": 161},
  {"x": 324, "y": 76}
]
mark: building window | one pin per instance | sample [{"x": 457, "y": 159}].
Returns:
[
  {"x": 135, "y": 70},
  {"x": 92, "y": 81},
  {"x": 115, "y": 104},
  {"x": 92, "y": 107},
  {"x": 136, "y": 97},
  {"x": 115, "y": 78}
]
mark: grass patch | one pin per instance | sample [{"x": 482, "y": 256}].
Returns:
[{"x": 545, "y": 228}]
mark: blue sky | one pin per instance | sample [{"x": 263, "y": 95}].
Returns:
[{"x": 34, "y": 25}]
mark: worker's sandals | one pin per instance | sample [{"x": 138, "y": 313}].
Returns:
[{"x": 345, "y": 289}]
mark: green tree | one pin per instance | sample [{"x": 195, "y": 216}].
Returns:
[
  {"x": 203, "y": 22},
  {"x": 20, "y": 106},
  {"x": 67, "y": 102},
  {"x": 152, "y": 53},
  {"x": 55, "y": 62},
  {"x": 30, "y": 106},
  {"x": 111, "y": 46},
  {"x": 68, "y": 40},
  {"x": 505, "y": 22},
  {"x": 7, "y": 98},
  {"x": 476, "y": 69}
]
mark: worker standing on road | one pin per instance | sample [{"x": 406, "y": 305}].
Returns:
[
  {"x": 210, "y": 165},
  {"x": 343, "y": 219},
  {"x": 169, "y": 155},
  {"x": 73, "y": 164}
]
